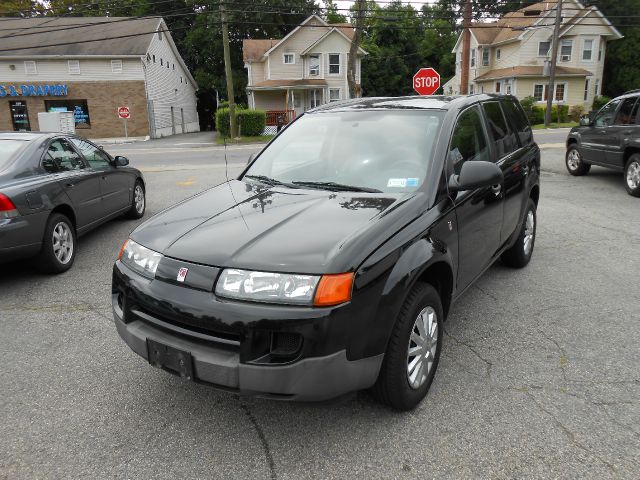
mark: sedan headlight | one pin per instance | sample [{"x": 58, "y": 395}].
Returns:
[
  {"x": 267, "y": 287},
  {"x": 139, "y": 258}
]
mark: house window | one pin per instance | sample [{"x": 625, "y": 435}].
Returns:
[
  {"x": 30, "y": 67},
  {"x": 587, "y": 50},
  {"x": 560, "y": 92},
  {"x": 498, "y": 54},
  {"x": 79, "y": 108},
  {"x": 597, "y": 91},
  {"x": 601, "y": 51},
  {"x": 565, "y": 50},
  {"x": 507, "y": 87},
  {"x": 314, "y": 65},
  {"x": 543, "y": 48},
  {"x": 471, "y": 88},
  {"x": 485, "y": 57},
  {"x": 161, "y": 64},
  {"x": 116, "y": 66},
  {"x": 497, "y": 87},
  {"x": 74, "y": 67},
  {"x": 148, "y": 58},
  {"x": 154, "y": 59},
  {"x": 473, "y": 57},
  {"x": 334, "y": 94},
  {"x": 288, "y": 59},
  {"x": 334, "y": 64},
  {"x": 174, "y": 66},
  {"x": 586, "y": 89},
  {"x": 539, "y": 91}
]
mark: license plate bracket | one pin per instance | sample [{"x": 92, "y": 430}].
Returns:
[{"x": 170, "y": 359}]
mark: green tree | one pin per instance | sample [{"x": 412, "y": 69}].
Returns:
[
  {"x": 20, "y": 8},
  {"x": 332, "y": 14}
]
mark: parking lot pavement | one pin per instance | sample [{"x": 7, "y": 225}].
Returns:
[{"x": 539, "y": 378}]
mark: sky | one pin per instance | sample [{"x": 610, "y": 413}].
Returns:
[{"x": 347, "y": 4}]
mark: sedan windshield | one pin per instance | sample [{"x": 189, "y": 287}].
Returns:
[
  {"x": 366, "y": 151},
  {"x": 8, "y": 150}
]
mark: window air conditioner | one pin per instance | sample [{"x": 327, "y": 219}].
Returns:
[{"x": 565, "y": 58}]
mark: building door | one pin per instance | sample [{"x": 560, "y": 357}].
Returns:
[
  {"x": 20, "y": 116},
  {"x": 173, "y": 122},
  {"x": 182, "y": 119},
  {"x": 298, "y": 102}
]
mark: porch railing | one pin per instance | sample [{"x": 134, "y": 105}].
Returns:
[{"x": 280, "y": 116}]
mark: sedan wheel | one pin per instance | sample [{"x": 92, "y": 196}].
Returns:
[
  {"x": 139, "y": 203},
  {"x": 58, "y": 245},
  {"x": 632, "y": 175},
  {"x": 520, "y": 253}
]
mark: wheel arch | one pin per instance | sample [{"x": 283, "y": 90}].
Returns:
[
  {"x": 534, "y": 194},
  {"x": 628, "y": 152},
  {"x": 68, "y": 212}
]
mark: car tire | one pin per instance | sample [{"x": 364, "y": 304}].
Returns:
[
  {"x": 519, "y": 255},
  {"x": 574, "y": 162},
  {"x": 139, "y": 202},
  {"x": 420, "y": 317},
  {"x": 58, "y": 245},
  {"x": 632, "y": 175}
]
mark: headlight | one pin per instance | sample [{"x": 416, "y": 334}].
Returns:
[
  {"x": 139, "y": 258},
  {"x": 267, "y": 287}
]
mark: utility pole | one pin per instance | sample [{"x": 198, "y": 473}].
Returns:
[
  {"x": 233, "y": 131},
  {"x": 358, "y": 21},
  {"x": 554, "y": 61},
  {"x": 466, "y": 49}
]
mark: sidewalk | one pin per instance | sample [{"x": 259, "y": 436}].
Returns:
[{"x": 196, "y": 139}]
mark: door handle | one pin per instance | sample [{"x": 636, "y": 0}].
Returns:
[
  {"x": 70, "y": 185},
  {"x": 496, "y": 189}
]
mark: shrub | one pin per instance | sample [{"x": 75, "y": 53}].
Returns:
[
  {"x": 222, "y": 121},
  {"x": 576, "y": 112},
  {"x": 251, "y": 123},
  {"x": 536, "y": 116},
  {"x": 600, "y": 102},
  {"x": 563, "y": 116}
]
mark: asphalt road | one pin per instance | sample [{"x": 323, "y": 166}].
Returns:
[{"x": 540, "y": 374}]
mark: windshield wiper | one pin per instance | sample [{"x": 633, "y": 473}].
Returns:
[
  {"x": 337, "y": 187},
  {"x": 269, "y": 180}
]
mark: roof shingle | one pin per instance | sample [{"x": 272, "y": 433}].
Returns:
[{"x": 530, "y": 71}]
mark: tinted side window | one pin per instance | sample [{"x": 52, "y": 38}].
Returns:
[
  {"x": 625, "y": 115},
  {"x": 96, "y": 157},
  {"x": 61, "y": 156},
  {"x": 468, "y": 141},
  {"x": 518, "y": 120},
  {"x": 504, "y": 139},
  {"x": 606, "y": 115}
]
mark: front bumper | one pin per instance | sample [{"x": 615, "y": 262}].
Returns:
[{"x": 233, "y": 356}]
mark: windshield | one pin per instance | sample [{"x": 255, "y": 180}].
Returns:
[
  {"x": 8, "y": 149},
  {"x": 370, "y": 150}
]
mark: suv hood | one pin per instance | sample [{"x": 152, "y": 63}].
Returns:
[{"x": 243, "y": 225}]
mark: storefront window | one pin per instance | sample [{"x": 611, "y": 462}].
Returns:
[{"x": 78, "y": 107}]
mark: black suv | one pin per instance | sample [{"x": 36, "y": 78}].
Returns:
[
  {"x": 611, "y": 139},
  {"x": 330, "y": 264}
]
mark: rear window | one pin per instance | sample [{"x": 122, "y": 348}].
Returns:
[
  {"x": 518, "y": 120},
  {"x": 9, "y": 149}
]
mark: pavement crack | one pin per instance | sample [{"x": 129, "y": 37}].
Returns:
[
  {"x": 561, "y": 350},
  {"x": 488, "y": 364},
  {"x": 263, "y": 440},
  {"x": 571, "y": 436}
]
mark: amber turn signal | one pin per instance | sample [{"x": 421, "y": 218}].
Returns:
[
  {"x": 334, "y": 289},
  {"x": 124, "y": 245}
]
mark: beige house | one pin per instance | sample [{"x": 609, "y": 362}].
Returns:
[
  {"x": 509, "y": 56},
  {"x": 305, "y": 69}
]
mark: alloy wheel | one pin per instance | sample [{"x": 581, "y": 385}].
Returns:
[
  {"x": 633, "y": 175},
  {"x": 62, "y": 242},
  {"x": 421, "y": 350},
  {"x": 573, "y": 160},
  {"x": 138, "y": 198},
  {"x": 529, "y": 230}
]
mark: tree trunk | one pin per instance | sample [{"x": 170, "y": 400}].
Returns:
[{"x": 354, "y": 90}]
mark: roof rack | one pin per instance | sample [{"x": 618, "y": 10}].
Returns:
[{"x": 637, "y": 90}]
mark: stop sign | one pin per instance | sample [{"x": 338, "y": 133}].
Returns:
[
  {"x": 426, "y": 81},
  {"x": 123, "y": 112}
]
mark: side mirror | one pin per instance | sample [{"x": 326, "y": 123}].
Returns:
[
  {"x": 476, "y": 174},
  {"x": 585, "y": 122},
  {"x": 121, "y": 161},
  {"x": 251, "y": 157}
]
